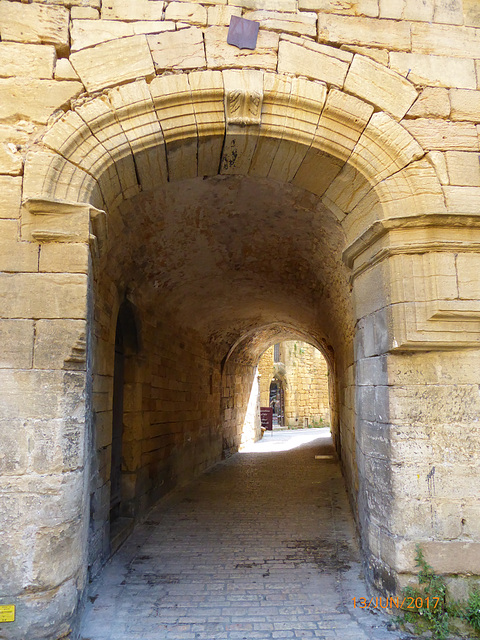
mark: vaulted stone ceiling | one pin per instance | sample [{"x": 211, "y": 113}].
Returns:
[{"x": 233, "y": 257}]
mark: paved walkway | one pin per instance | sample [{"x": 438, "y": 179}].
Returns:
[{"x": 262, "y": 546}]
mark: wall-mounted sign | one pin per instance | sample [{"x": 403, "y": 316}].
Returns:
[
  {"x": 243, "y": 33},
  {"x": 7, "y": 613}
]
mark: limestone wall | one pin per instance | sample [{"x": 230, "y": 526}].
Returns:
[
  {"x": 364, "y": 117},
  {"x": 304, "y": 373}
]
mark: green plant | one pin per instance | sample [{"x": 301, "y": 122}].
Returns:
[
  {"x": 472, "y": 609},
  {"x": 431, "y": 596},
  {"x": 433, "y": 612}
]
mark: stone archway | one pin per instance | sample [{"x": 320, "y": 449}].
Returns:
[{"x": 374, "y": 185}]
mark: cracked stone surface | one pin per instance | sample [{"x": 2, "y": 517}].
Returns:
[{"x": 261, "y": 546}]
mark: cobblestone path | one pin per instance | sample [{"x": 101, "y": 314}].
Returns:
[{"x": 262, "y": 546}]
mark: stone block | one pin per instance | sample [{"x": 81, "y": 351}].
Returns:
[
  {"x": 465, "y": 105},
  {"x": 367, "y": 8},
  {"x": 278, "y": 5},
  {"x": 63, "y": 258},
  {"x": 458, "y": 42},
  {"x": 10, "y": 161},
  {"x": 50, "y": 175},
  {"x": 364, "y": 31},
  {"x": 452, "y": 556},
  {"x": 13, "y": 446},
  {"x": 33, "y": 60},
  {"x": 343, "y": 120},
  {"x": 186, "y": 12},
  {"x": 35, "y": 23},
  {"x": 55, "y": 446},
  {"x": 59, "y": 344},
  {"x": 208, "y": 103},
  {"x": 379, "y": 55},
  {"x": 407, "y": 9},
  {"x": 182, "y": 49},
  {"x": 84, "y": 13},
  {"x": 462, "y": 200},
  {"x": 439, "y": 162},
  {"x": 16, "y": 338},
  {"x": 142, "y": 130},
  {"x": 43, "y": 295},
  {"x": 435, "y": 70},
  {"x": 463, "y": 168},
  {"x": 471, "y": 13},
  {"x": 11, "y": 190},
  {"x": 131, "y": 10},
  {"x": 31, "y": 394},
  {"x": 113, "y": 62},
  {"x": 100, "y": 118},
  {"x": 433, "y": 102},
  {"x": 64, "y": 70},
  {"x": 221, "y": 54},
  {"x": 16, "y": 98},
  {"x": 301, "y": 24},
  {"x": 62, "y": 546},
  {"x": 372, "y": 82},
  {"x": 86, "y": 33},
  {"x": 18, "y": 134},
  {"x": 467, "y": 272},
  {"x": 443, "y": 135},
  {"x": 14, "y": 254},
  {"x": 320, "y": 62},
  {"x": 448, "y": 12},
  {"x": 221, "y": 15}
]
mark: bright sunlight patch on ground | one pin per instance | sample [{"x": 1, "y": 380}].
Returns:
[{"x": 286, "y": 440}]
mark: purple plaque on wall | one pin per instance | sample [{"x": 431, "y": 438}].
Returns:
[{"x": 243, "y": 33}]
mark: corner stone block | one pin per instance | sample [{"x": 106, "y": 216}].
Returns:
[
  {"x": 49, "y": 175},
  {"x": 43, "y": 295},
  {"x": 35, "y": 23},
  {"x": 113, "y": 62},
  {"x": 16, "y": 338},
  {"x": 60, "y": 344},
  {"x": 380, "y": 86}
]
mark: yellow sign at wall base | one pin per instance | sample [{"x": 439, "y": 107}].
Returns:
[{"x": 7, "y": 613}]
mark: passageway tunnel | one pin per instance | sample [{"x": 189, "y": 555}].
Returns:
[{"x": 213, "y": 271}]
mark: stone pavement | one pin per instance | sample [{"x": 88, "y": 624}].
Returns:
[{"x": 262, "y": 546}]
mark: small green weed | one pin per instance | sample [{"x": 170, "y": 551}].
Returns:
[
  {"x": 472, "y": 609},
  {"x": 433, "y": 613}
]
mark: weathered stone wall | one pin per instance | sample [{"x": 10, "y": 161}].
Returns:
[
  {"x": 304, "y": 372},
  {"x": 343, "y": 155}
]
